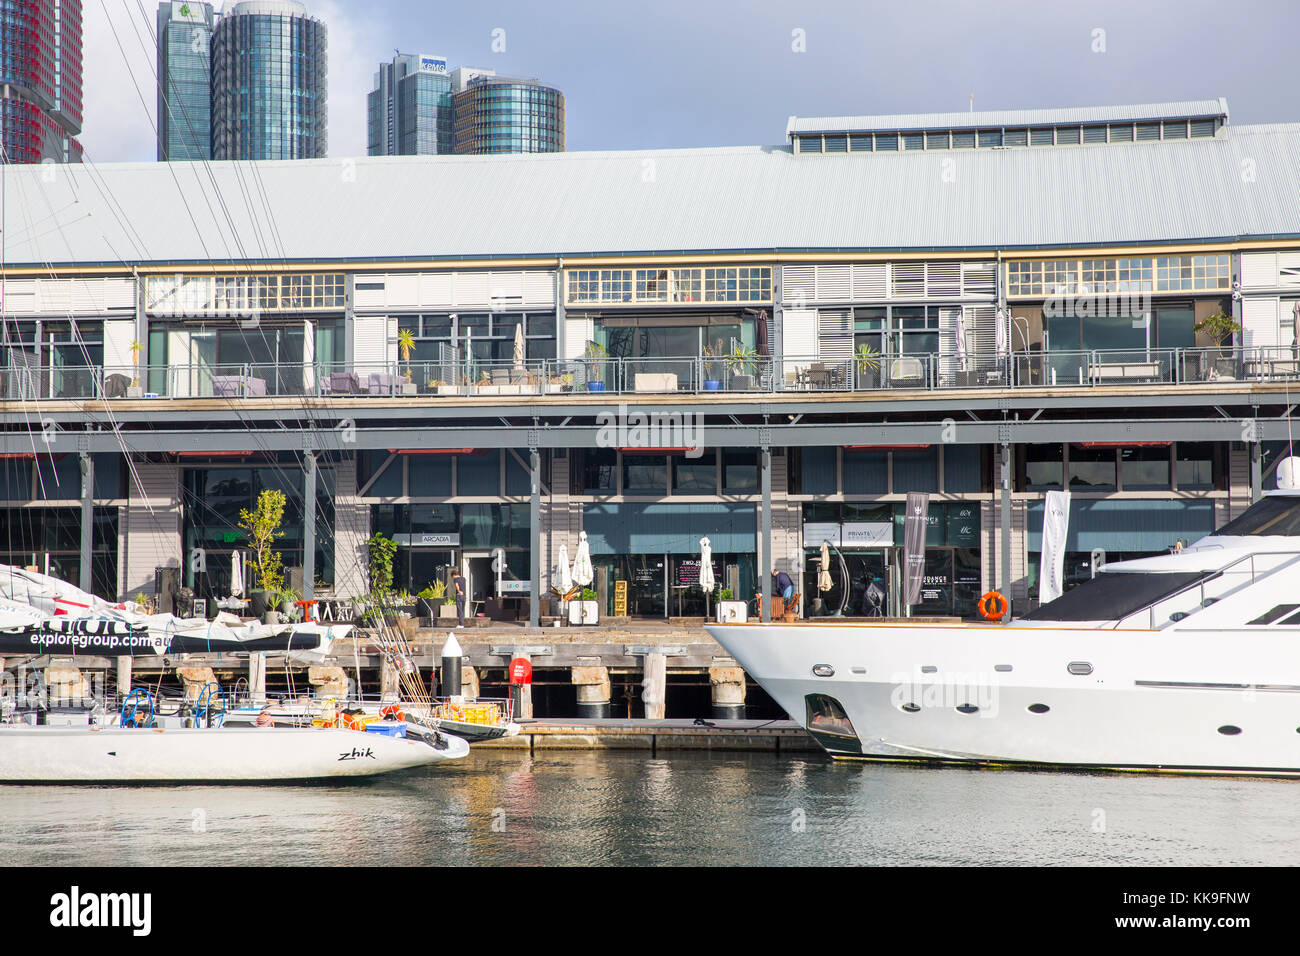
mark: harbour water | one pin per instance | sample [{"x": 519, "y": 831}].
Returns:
[{"x": 602, "y": 807}]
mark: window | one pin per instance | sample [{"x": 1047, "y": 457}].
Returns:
[
  {"x": 1016, "y": 137},
  {"x": 695, "y": 476},
  {"x": 990, "y": 137},
  {"x": 1092, "y": 468},
  {"x": 739, "y": 471},
  {"x": 645, "y": 475},
  {"x": 1044, "y": 466},
  {"x": 1144, "y": 468},
  {"x": 1041, "y": 137},
  {"x": 626, "y": 286},
  {"x": 598, "y": 475},
  {"x": 1210, "y": 272},
  {"x": 1194, "y": 465}
]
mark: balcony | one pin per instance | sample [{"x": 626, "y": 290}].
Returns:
[{"x": 647, "y": 376}]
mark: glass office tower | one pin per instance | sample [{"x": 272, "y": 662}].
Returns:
[
  {"x": 409, "y": 110},
  {"x": 501, "y": 114},
  {"x": 184, "y": 80},
  {"x": 40, "y": 73},
  {"x": 269, "y": 83}
]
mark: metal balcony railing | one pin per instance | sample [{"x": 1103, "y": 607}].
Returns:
[{"x": 1094, "y": 368}]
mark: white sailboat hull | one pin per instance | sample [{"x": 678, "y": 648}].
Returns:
[
  {"x": 1214, "y": 702},
  {"x": 116, "y": 755}
]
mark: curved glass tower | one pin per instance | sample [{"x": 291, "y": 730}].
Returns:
[
  {"x": 500, "y": 114},
  {"x": 269, "y": 82}
]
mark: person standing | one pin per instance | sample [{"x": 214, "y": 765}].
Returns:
[
  {"x": 462, "y": 597},
  {"x": 782, "y": 586}
]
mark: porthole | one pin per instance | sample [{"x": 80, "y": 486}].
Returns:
[
  {"x": 910, "y": 708},
  {"x": 1002, "y": 668},
  {"x": 1038, "y": 708},
  {"x": 929, "y": 669},
  {"x": 1079, "y": 668},
  {"x": 823, "y": 670},
  {"x": 1177, "y": 615},
  {"x": 1228, "y": 730},
  {"x": 967, "y": 709}
]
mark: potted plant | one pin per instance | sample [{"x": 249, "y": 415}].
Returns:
[
  {"x": 134, "y": 390},
  {"x": 711, "y": 354},
  {"x": 261, "y": 527},
  {"x": 1220, "y": 327},
  {"x": 431, "y": 599},
  {"x": 448, "y": 609},
  {"x": 406, "y": 345},
  {"x": 595, "y": 355},
  {"x": 731, "y": 611},
  {"x": 585, "y": 610},
  {"x": 867, "y": 360},
  {"x": 741, "y": 363}
]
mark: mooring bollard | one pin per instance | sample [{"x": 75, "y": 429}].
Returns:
[
  {"x": 451, "y": 662},
  {"x": 727, "y": 684},
  {"x": 592, "y": 683}
]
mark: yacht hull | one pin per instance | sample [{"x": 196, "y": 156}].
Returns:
[
  {"x": 226, "y": 755},
  {"x": 1035, "y": 696}
]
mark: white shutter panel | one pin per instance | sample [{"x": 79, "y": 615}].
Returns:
[
  {"x": 1260, "y": 322},
  {"x": 577, "y": 333},
  {"x": 472, "y": 290},
  {"x": 870, "y": 281},
  {"x": 942, "y": 279},
  {"x": 835, "y": 334},
  {"x": 402, "y": 291},
  {"x": 370, "y": 341},
  {"x": 539, "y": 289},
  {"x": 118, "y": 336},
  {"x": 982, "y": 337},
  {"x": 977, "y": 278},
  {"x": 798, "y": 342},
  {"x": 1288, "y": 270},
  {"x": 363, "y": 298},
  {"x": 949, "y": 364},
  {"x": 798, "y": 284},
  {"x": 436, "y": 290},
  {"x": 832, "y": 283},
  {"x": 20, "y": 297},
  {"x": 1258, "y": 270}
]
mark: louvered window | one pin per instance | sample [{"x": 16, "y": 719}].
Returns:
[
  {"x": 837, "y": 144},
  {"x": 913, "y": 141},
  {"x": 963, "y": 139},
  {"x": 1067, "y": 135},
  {"x": 1148, "y": 131},
  {"x": 908, "y": 279},
  {"x": 1202, "y": 128},
  {"x": 1094, "y": 134},
  {"x": 1016, "y": 137},
  {"x": 1175, "y": 129},
  {"x": 990, "y": 137},
  {"x": 1041, "y": 137},
  {"x": 943, "y": 279},
  {"x": 835, "y": 334},
  {"x": 1121, "y": 132},
  {"x": 869, "y": 280},
  {"x": 860, "y": 142},
  {"x": 936, "y": 139},
  {"x": 886, "y": 142}
]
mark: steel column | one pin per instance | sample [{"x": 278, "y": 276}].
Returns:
[
  {"x": 87, "y": 519},
  {"x": 765, "y": 585},
  {"x": 309, "y": 526}
]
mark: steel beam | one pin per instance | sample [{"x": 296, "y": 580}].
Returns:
[
  {"x": 765, "y": 585},
  {"x": 87, "y": 519},
  {"x": 804, "y": 434},
  {"x": 309, "y": 526}
]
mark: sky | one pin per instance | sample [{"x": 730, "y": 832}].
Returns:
[{"x": 687, "y": 73}]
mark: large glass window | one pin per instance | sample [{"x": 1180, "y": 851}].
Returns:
[
  {"x": 1144, "y": 468},
  {"x": 695, "y": 476},
  {"x": 645, "y": 475},
  {"x": 1092, "y": 468},
  {"x": 599, "y": 476},
  {"x": 1044, "y": 466},
  {"x": 1194, "y": 464}
]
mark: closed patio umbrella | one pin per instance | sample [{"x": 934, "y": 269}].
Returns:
[
  {"x": 519, "y": 348},
  {"x": 959, "y": 332},
  {"x": 563, "y": 579},
  {"x": 583, "y": 574},
  {"x": 706, "y": 572},
  {"x": 236, "y": 575},
  {"x": 824, "y": 582}
]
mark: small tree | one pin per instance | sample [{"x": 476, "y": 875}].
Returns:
[
  {"x": 1218, "y": 326},
  {"x": 595, "y": 354},
  {"x": 382, "y": 551},
  {"x": 261, "y": 526},
  {"x": 406, "y": 345},
  {"x": 136, "y": 349}
]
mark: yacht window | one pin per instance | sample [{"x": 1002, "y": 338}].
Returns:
[
  {"x": 1270, "y": 616},
  {"x": 1274, "y": 515},
  {"x": 1115, "y": 594},
  {"x": 826, "y": 715}
]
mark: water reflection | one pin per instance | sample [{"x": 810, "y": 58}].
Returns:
[{"x": 691, "y": 808}]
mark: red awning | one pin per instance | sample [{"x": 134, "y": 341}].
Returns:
[
  {"x": 1123, "y": 444},
  {"x": 431, "y": 451}
]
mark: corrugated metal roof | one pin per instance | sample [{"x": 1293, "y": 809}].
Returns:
[
  {"x": 1243, "y": 183},
  {"x": 996, "y": 119}
]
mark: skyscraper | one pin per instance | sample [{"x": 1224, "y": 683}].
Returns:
[
  {"x": 504, "y": 114},
  {"x": 40, "y": 80},
  {"x": 269, "y": 82},
  {"x": 185, "y": 80},
  {"x": 409, "y": 110}
]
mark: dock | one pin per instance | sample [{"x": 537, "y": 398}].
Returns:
[{"x": 769, "y": 736}]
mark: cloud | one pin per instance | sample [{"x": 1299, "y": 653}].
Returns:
[
  {"x": 120, "y": 75},
  {"x": 120, "y": 82}
]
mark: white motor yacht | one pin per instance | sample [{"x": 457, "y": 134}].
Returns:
[{"x": 1186, "y": 662}]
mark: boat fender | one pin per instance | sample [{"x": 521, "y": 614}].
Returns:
[{"x": 992, "y": 606}]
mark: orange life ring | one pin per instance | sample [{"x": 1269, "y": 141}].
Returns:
[{"x": 993, "y": 606}]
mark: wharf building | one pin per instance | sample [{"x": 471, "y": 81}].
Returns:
[{"x": 767, "y": 346}]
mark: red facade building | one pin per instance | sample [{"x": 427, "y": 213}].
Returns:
[{"x": 40, "y": 80}]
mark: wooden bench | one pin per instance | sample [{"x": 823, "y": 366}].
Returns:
[
  {"x": 1123, "y": 371},
  {"x": 654, "y": 382}
]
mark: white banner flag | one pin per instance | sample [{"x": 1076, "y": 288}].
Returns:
[{"x": 1051, "y": 565}]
